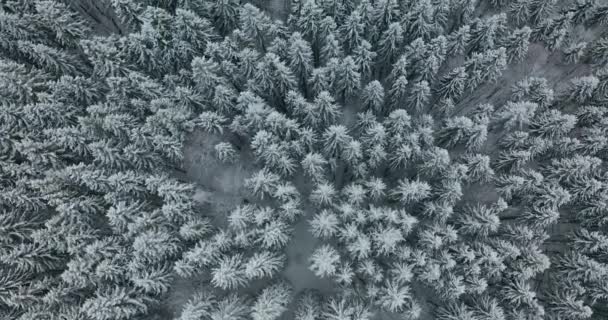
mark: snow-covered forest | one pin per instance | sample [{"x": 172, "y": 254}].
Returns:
[{"x": 303, "y": 159}]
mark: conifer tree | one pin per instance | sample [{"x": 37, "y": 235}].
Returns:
[
  {"x": 324, "y": 260},
  {"x": 458, "y": 41},
  {"x": 575, "y": 52},
  {"x": 581, "y": 89},
  {"x": 335, "y": 139},
  {"x": 398, "y": 92},
  {"x": 518, "y": 114},
  {"x": 331, "y": 49},
  {"x": 453, "y": 84},
  {"x": 411, "y": 191},
  {"x": 308, "y": 21},
  {"x": 419, "y": 96},
  {"x": 324, "y": 224},
  {"x": 390, "y": 43},
  {"x": 272, "y": 302},
  {"x": 352, "y": 31},
  {"x": 373, "y": 96},
  {"x": 349, "y": 78},
  {"x": 517, "y": 44},
  {"x": 229, "y": 273},
  {"x": 487, "y": 32},
  {"x": 263, "y": 264},
  {"x": 364, "y": 58},
  {"x": 255, "y": 25},
  {"x": 323, "y": 194},
  {"x": 326, "y": 108},
  {"x": 308, "y": 307},
  {"x": 115, "y": 303},
  {"x": 533, "y": 89}
]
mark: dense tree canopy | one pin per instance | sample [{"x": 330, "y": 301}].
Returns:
[{"x": 438, "y": 168}]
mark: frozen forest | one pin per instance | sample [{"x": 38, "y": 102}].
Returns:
[{"x": 303, "y": 160}]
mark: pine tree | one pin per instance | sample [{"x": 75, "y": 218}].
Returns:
[
  {"x": 487, "y": 32},
  {"x": 229, "y": 273},
  {"x": 349, "y": 78},
  {"x": 386, "y": 240},
  {"x": 385, "y": 12},
  {"x": 553, "y": 124},
  {"x": 324, "y": 261},
  {"x": 351, "y": 31},
  {"x": 272, "y": 302},
  {"x": 458, "y": 41},
  {"x": 48, "y": 58},
  {"x": 313, "y": 165},
  {"x": 331, "y": 49},
  {"x": 224, "y": 14},
  {"x": 454, "y": 310},
  {"x": 394, "y": 297},
  {"x": 274, "y": 235},
  {"x": 263, "y": 264},
  {"x": 65, "y": 25},
  {"x": 462, "y": 129},
  {"x": 419, "y": 96},
  {"x": 517, "y": 44},
  {"x": 232, "y": 307},
  {"x": 575, "y": 52},
  {"x": 398, "y": 93},
  {"x": 566, "y": 305},
  {"x": 255, "y": 25},
  {"x": 555, "y": 32},
  {"x": 308, "y": 21},
  {"x": 582, "y": 89},
  {"x": 323, "y": 194},
  {"x": 328, "y": 27},
  {"x": 364, "y": 58},
  {"x": 360, "y": 247},
  {"x": 335, "y": 139},
  {"x": 324, "y": 224},
  {"x": 411, "y": 191},
  {"x": 337, "y": 310},
  {"x": 478, "y": 220},
  {"x": 115, "y": 303},
  {"x": 154, "y": 246},
  {"x": 373, "y": 96},
  {"x": 479, "y": 169},
  {"x": 376, "y": 188},
  {"x": 419, "y": 22},
  {"x": 326, "y": 108},
  {"x": 390, "y": 43},
  {"x": 308, "y": 307},
  {"x": 225, "y": 152},
  {"x": 453, "y": 84},
  {"x": 200, "y": 305},
  {"x": 262, "y": 183},
  {"x": 598, "y": 17},
  {"x": 435, "y": 160},
  {"x": 488, "y": 307},
  {"x": 517, "y": 114}
]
